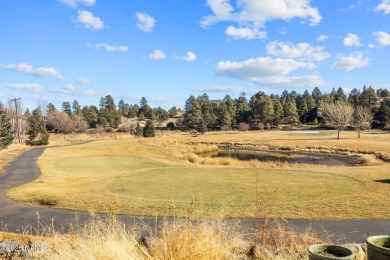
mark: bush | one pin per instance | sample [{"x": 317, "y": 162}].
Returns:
[
  {"x": 225, "y": 128},
  {"x": 243, "y": 127},
  {"x": 260, "y": 126}
]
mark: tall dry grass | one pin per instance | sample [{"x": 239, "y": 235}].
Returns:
[
  {"x": 180, "y": 238},
  {"x": 194, "y": 158}
]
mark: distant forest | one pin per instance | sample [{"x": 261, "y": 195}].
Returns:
[{"x": 258, "y": 111}]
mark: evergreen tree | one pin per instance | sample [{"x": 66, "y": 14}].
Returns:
[
  {"x": 332, "y": 95},
  {"x": 37, "y": 133},
  {"x": 173, "y": 112},
  {"x": 138, "y": 130},
  {"x": 243, "y": 109},
  {"x": 382, "y": 116},
  {"x": 144, "y": 108},
  {"x": 354, "y": 97},
  {"x": 193, "y": 113},
  {"x": 229, "y": 102},
  {"x": 224, "y": 115},
  {"x": 141, "y": 117},
  {"x": 278, "y": 112},
  {"x": 66, "y": 108},
  {"x": 148, "y": 130},
  {"x": 340, "y": 96},
  {"x": 316, "y": 95},
  {"x": 301, "y": 105},
  {"x": 76, "y": 108},
  {"x": 383, "y": 93},
  {"x": 50, "y": 108},
  {"x": 133, "y": 111},
  {"x": 262, "y": 108},
  {"x": 290, "y": 112},
  {"x": 208, "y": 110},
  {"x": 27, "y": 113},
  {"x": 309, "y": 100},
  {"x": 122, "y": 108},
  {"x": 369, "y": 98},
  {"x": 91, "y": 115},
  {"x": 6, "y": 132},
  {"x": 108, "y": 115}
]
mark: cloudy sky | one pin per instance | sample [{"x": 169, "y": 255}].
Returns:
[{"x": 62, "y": 50}]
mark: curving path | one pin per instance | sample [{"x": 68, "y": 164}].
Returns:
[{"x": 15, "y": 216}]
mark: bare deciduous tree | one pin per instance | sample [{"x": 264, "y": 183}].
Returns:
[
  {"x": 59, "y": 122},
  {"x": 243, "y": 127},
  {"x": 362, "y": 118},
  {"x": 338, "y": 115}
]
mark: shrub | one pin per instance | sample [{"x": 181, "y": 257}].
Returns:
[{"x": 243, "y": 127}]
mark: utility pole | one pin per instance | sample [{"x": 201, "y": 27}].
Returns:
[{"x": 17, "y": 118}]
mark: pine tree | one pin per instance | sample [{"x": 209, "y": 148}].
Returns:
[
  {"x": 76, "y": 108},
  {"x": 138, "y": 130},
  {"x": 193, "y": 113},
  {"x": 66, "y": 108},
  {"x": 148, "y": 130},
  {"x": 37, "y": 133},
  {"x": 6, "y": 132}
]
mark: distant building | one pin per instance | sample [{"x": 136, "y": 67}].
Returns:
[{"x": 19, "y": 123}]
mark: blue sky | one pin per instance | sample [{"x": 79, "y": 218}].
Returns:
[{"x": 62, "y": 50}]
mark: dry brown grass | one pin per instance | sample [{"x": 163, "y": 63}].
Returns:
[
  {"x": 145, "y": 174},
  {"x": 64, "y": 139},
  {"x": 7, "y": 155},
  {"x": 107, "y": 238},
  {"x": 194, "y": 158}
]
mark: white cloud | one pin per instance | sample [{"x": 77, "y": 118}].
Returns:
[
  {"x": 190, "y": 56},
  {"x": 68, "y": 87},
  {"x": 219, "y": 88},
  {"x": 300, "y": 50},
  {"x": 83, "y": 81},
  {"x": 145, "y": 22},
  {"x": 259, "y": 67},
  {"x": 107, "y": 47},
  {"x": 352, "y": 40},
  {"x": 382, "y": 38},
  {"x": 245, "y": 33},
  {"x": 71, "y": 90},
  {"x": 157, "y": 55},
  {"x": 384, "y": 6},
  {"x": 88, "y": 93},
  {"x": 269, "y": 71},
  {"x": 352, "y": 61},
  {"x": 42, "y": 72},
  {"x": 223, "y": 11},
  {"x": 258, "y": 12},
  {"x": 322, "y": 37},
  {"x": 90, "y": 21},
  {"x": 75, "y": 3},
  {"x": 29, "y": 87},
  {"x": 292, "y": 82}
]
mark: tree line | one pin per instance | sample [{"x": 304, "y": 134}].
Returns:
[
  {"x": 290, "y": 108},
  {"x": 360, "y": 109}
]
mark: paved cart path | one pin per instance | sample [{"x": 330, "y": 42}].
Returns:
[{"x": 15, "y": 216}]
